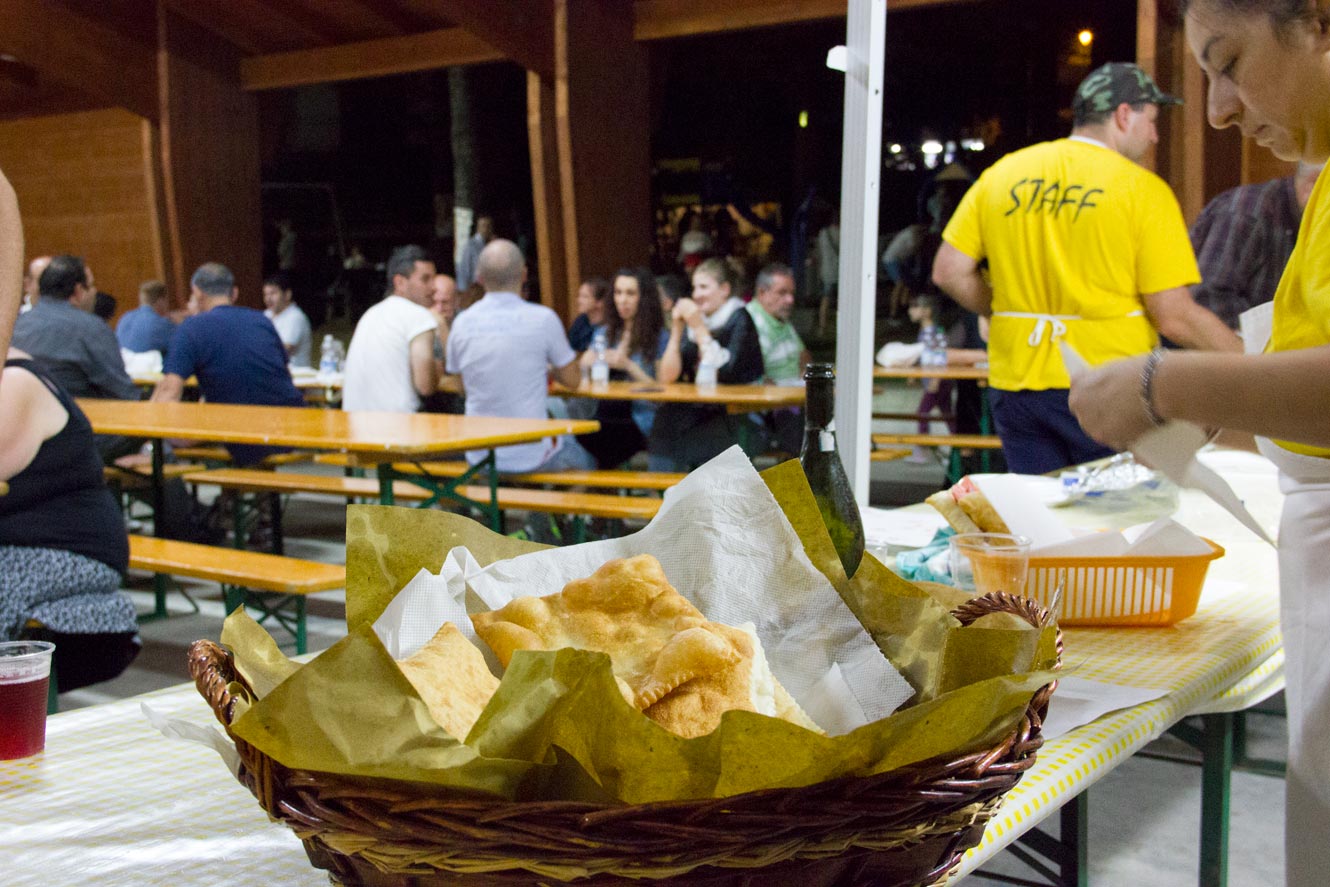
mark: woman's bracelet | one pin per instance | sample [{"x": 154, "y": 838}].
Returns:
[{"x": 1152, "y": 362}]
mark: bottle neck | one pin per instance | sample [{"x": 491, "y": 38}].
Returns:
[{"x": 820, "y": 406}]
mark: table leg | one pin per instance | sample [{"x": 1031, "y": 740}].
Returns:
[
  {"x": 1061, "y": 861},
  {"x": 1215, "y": 741},
  {"x": 159, "y": 580},
  {"x": 446, "y": 488},
  {"x": 985, "y": 427}
]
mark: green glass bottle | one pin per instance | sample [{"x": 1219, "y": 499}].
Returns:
[{"x": 826, "y": 473}]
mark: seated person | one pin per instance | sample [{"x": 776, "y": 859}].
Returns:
[
  {"x": 78, "y": 350},
  {"x": 148, "y": 327},
  {"x": 712, "y": 327},
  {"x": 63, "y": 548},
  {"x": 784, "y": 356},
  {"x": 234, "y": 352},
  {"x": 390, "y": 365},
  {"x": 504, "y": 349},
  {"x": 593, "y": 310},
  {"x": 635, "y": 330},
  {"x": 290, "y": 322}
]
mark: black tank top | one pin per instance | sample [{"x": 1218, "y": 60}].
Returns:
[{"x": 60, "y": 500}]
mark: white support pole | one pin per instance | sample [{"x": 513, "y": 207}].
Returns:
[{"x": 861, "y": 177}]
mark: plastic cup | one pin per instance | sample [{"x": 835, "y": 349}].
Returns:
[
  {"x": 25, "y": 673},
  {"x": 987, "y": 562}
]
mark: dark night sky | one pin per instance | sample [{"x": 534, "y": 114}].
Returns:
[{"x": 732, "y": 100}]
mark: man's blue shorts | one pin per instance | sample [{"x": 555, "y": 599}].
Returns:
[{"x": 1039, "y": 433}]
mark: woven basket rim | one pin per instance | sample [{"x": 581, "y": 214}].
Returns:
[{"x": 399, "y": 827}]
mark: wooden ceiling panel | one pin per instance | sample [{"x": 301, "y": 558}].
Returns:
[
  {"x": 360, "y": 19},
  {"x": 428, "y": 12},
  {"x": 258, "y": 27}
]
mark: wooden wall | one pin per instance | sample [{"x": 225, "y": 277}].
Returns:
[
  {"x": 210, "y": 158},
  {"x": 84, "y": 187}
]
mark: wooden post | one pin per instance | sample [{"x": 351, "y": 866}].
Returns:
[{"x": 590, "y": 151}]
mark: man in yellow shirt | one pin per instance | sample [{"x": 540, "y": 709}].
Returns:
[{"x": 1085, "y": 246}]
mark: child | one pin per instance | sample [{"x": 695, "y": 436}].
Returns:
[{"x": 937, "y": 392}]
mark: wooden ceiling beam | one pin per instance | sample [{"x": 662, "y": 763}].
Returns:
[
  {"x": 83, "y": 52},
  {"x": 370, "y": 58},
  {"x": 523, "y": 30},
  {"x": 662, "y": 19},
  {"x": 257, "y": 26}
]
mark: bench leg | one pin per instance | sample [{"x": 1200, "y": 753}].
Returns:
[
  {"x": 443, "y": 488},
  {"x": 159, "y": 591},
  {"x": 287, "y": 610}
]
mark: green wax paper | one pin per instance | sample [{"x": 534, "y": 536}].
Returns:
[{"x": 558, "y": 727}]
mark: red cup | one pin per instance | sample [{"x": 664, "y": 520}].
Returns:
[{"x": 25, "y": 674}]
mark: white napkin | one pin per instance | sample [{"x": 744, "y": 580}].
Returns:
[
  {"x": 141, "y": 363},
  {"x": 725, "y": 545},
  {"x": 1171, "y": 449},
  {"x": 900, "y": 354},
  {"x": 911, "y": 529},
  {"x": 1079, "y": 701},
  {"x": 1022, "y": 512}
]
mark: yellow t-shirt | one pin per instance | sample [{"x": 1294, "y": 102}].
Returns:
[
  {"x": 1073, "y": 231},
  {"x": 1302, "y": 301}
]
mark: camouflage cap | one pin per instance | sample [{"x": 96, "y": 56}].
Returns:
[{"x": 1112, "y": 84}]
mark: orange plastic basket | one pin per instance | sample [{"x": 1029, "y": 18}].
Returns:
[{"x": 1122, "y": 591}]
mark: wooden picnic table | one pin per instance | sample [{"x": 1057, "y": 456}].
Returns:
[
  {"x": 735, "y": 398},
  {"x": 368, "y": 438}
]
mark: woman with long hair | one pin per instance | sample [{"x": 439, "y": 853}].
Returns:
[
  {"x": 1268, "y": 65},
  {"x": 635, "y": 333}
]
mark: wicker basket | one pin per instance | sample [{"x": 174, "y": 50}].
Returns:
[{"x": 906, "y": 827}]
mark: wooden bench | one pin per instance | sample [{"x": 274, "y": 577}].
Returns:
[
  {"x": 887, "y": 455},
  {"x": 220, "y": 455},
  {"x": 139, "y": 477},
  {"x": 608, "y": 479},
  {"x": 579, "y": 505},
  {"x": 957, "y": 442},
  {"x": 271, "y": 583}
]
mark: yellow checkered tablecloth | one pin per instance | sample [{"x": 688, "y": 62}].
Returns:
[
  {"x": 113, "y": 802},
  {"x": 1224, "y": 658}
]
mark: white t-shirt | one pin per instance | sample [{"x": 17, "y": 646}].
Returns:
[
  {"x": 377, "y": 373},
  {"x": 503, "y": 347},
  {"x": 293, "y": 328}
]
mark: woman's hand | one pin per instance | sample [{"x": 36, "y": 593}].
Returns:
[
  {"x": 618, "y": 358},
  {"x": 1107, "y": 402},
  {"x": 687, "y": 312}
]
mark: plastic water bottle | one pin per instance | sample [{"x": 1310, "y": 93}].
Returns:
[
  {"x": 600, "y": 368},
  {"x": 935, "y": 347},
  {"x": 329, "y": 365},
  {"x": 706, "y": 375}
]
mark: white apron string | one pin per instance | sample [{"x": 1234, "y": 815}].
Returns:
[{"x": 1056, "y": 323}]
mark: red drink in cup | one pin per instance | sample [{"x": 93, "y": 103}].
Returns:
[{"x": 25, "y": 670}]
